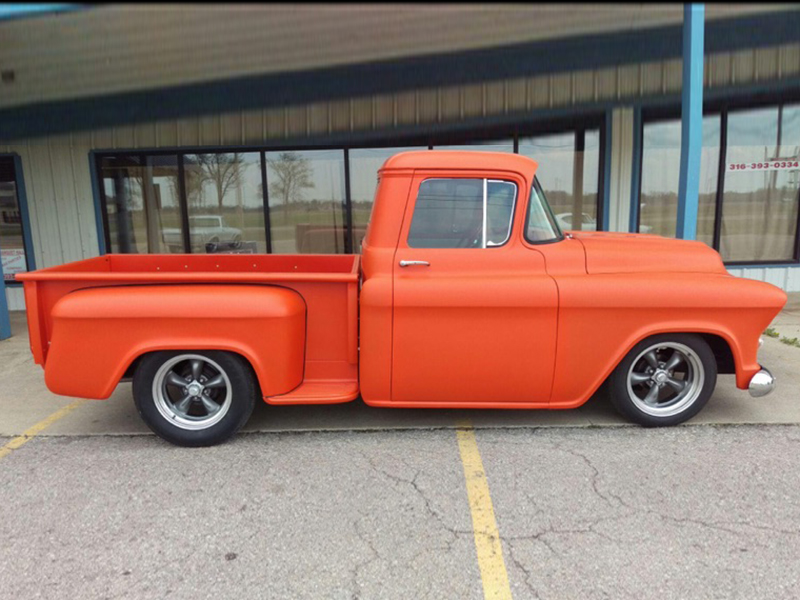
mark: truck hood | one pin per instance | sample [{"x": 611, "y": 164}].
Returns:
[{"x": 638, "y": 253}]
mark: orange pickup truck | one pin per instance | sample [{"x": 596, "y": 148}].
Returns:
[{"x": 467, "y": 294}]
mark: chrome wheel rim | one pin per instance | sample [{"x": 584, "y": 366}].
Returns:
[
  {"x": 665, "y": 379},
  {"x": 192, "y": 392}
]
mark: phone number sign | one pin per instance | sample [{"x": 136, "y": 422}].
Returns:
[
  {"x": 767, "y": 165},
  {"x": 13, "y": 261}
]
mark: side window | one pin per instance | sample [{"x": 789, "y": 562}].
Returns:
[
  {"x": 462, "y": 213},
  {"x": 541, "y": 225}
]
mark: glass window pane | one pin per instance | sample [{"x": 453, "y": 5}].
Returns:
[
  {"x": 307, "y": 201},
  {"x": 500, "y": 199},
  {"x": 226, "y": 204},
  {"x": 162, "y": 199},
  {"x": 12, "y": 245},
  {"x": 142, "y": 203},
  {"x": 483, "y": 146},
  {"x": 570, "y": 179},
  {"x": 760, "y": 203},
  {"x": 364, "y": 165},
  {"x": 122, "y": 186},
  {"x": 540, "y": 217},
  {"x": 449, "y": 213},
  {"x": 661, "y": 161}
]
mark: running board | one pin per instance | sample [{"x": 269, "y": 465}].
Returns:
[{"x": 318, "y": 391}]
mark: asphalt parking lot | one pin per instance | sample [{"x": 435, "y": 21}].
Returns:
[{"x": 352, "y": 502}]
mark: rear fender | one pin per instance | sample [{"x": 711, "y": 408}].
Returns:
[{"x": 99, "y": 332}]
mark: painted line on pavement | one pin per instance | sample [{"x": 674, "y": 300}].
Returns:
[
  {"x": 484, "y": 526},
  {"x": 32, "y": 432}
]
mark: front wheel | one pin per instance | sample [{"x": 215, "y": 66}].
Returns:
[
  {"x": 664, "y": 380},
  {"x": 194, "y": 398}
]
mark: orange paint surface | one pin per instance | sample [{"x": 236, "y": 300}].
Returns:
[{"x": 516, "y": 326}]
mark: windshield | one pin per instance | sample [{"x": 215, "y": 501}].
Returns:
[{"x": 541, "y": 225}]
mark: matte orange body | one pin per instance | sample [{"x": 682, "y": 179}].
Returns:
[{"x": 517, "y": 326}]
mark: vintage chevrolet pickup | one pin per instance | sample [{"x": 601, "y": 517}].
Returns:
[{"x": 467, "y": 294}]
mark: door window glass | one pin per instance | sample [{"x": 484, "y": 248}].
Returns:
[
  {"x": 542, "y": 225},
  {"x": 462, "y": 213}
]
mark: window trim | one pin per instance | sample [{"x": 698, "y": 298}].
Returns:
[
  {"x": 722, "y": 107},
  {"x": 486, "y": 181}
]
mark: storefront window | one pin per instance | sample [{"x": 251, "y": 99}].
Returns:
[
  {"x": 569, "y": 167},
  {"x": 12, "y": 243},
  {"x": 482, "y": 146},
  {"x": 307, "y": 201},
  {"x": 226, "y": 203},
  {"x": 661, "y": 159},
  {"x": 142, "y": 203},
  {"x": 364, "y": 165},
  {"x": 297, "y": 201},
  {"x": 760, "y": 201}
]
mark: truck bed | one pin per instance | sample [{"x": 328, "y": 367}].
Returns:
[{"x": 327, "y": 283}]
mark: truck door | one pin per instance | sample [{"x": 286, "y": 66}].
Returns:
[{"x": 474, "y": 311}]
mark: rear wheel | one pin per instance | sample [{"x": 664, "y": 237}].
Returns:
[
  {"x": 194, "y": 398},
  {"x": 664, "y": 380}
]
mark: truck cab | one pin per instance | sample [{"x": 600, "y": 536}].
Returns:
[{"x": 451, "y": 253}]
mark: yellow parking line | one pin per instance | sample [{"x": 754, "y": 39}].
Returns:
[
  {"x": 32, "y": 432},
  {"x": 484, "y": 526}
]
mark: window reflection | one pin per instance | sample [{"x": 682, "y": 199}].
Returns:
[
  {"x": 568, "y": 177},
  {"x": 449, "y": 213},
  {"x": 226, "y": 206},
  {"x": 760, "y": 203},
  {"x": 142, "y": 203},
  {"x": 364, "y": 165},
  {"x": 12, "y": 245},
  {"x": 482, "y": 146},
  {"x": 307, "y": 201},
  {"x": 661, "y": 159}
]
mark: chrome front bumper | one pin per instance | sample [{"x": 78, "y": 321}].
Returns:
[{"x": 761, "y": 384}]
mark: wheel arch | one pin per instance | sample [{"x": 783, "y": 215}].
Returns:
[{"x": 722, "y": 342}]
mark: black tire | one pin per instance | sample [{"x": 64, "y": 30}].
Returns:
[
  {"x": 174, "y": 414},
  {"x": 669, "y": 405}
]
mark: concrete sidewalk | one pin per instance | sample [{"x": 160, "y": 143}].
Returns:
[{"x": 26, "y": 400}]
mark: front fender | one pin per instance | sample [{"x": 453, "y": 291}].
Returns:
[
  {"x": 99, "y": 332},
  {"x": 601, "y": 317}
]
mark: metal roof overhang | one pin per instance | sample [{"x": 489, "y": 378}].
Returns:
[{"x": 112, "y": 64}]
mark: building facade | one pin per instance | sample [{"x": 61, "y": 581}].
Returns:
[{"x": 261, "y": 129}]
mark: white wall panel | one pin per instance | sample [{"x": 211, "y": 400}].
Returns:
[
  {"x": 621, "y": 165},
  {"x": 15, "y": 297}
]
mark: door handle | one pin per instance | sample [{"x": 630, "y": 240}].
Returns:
[{"x": 408, "y": 263}]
